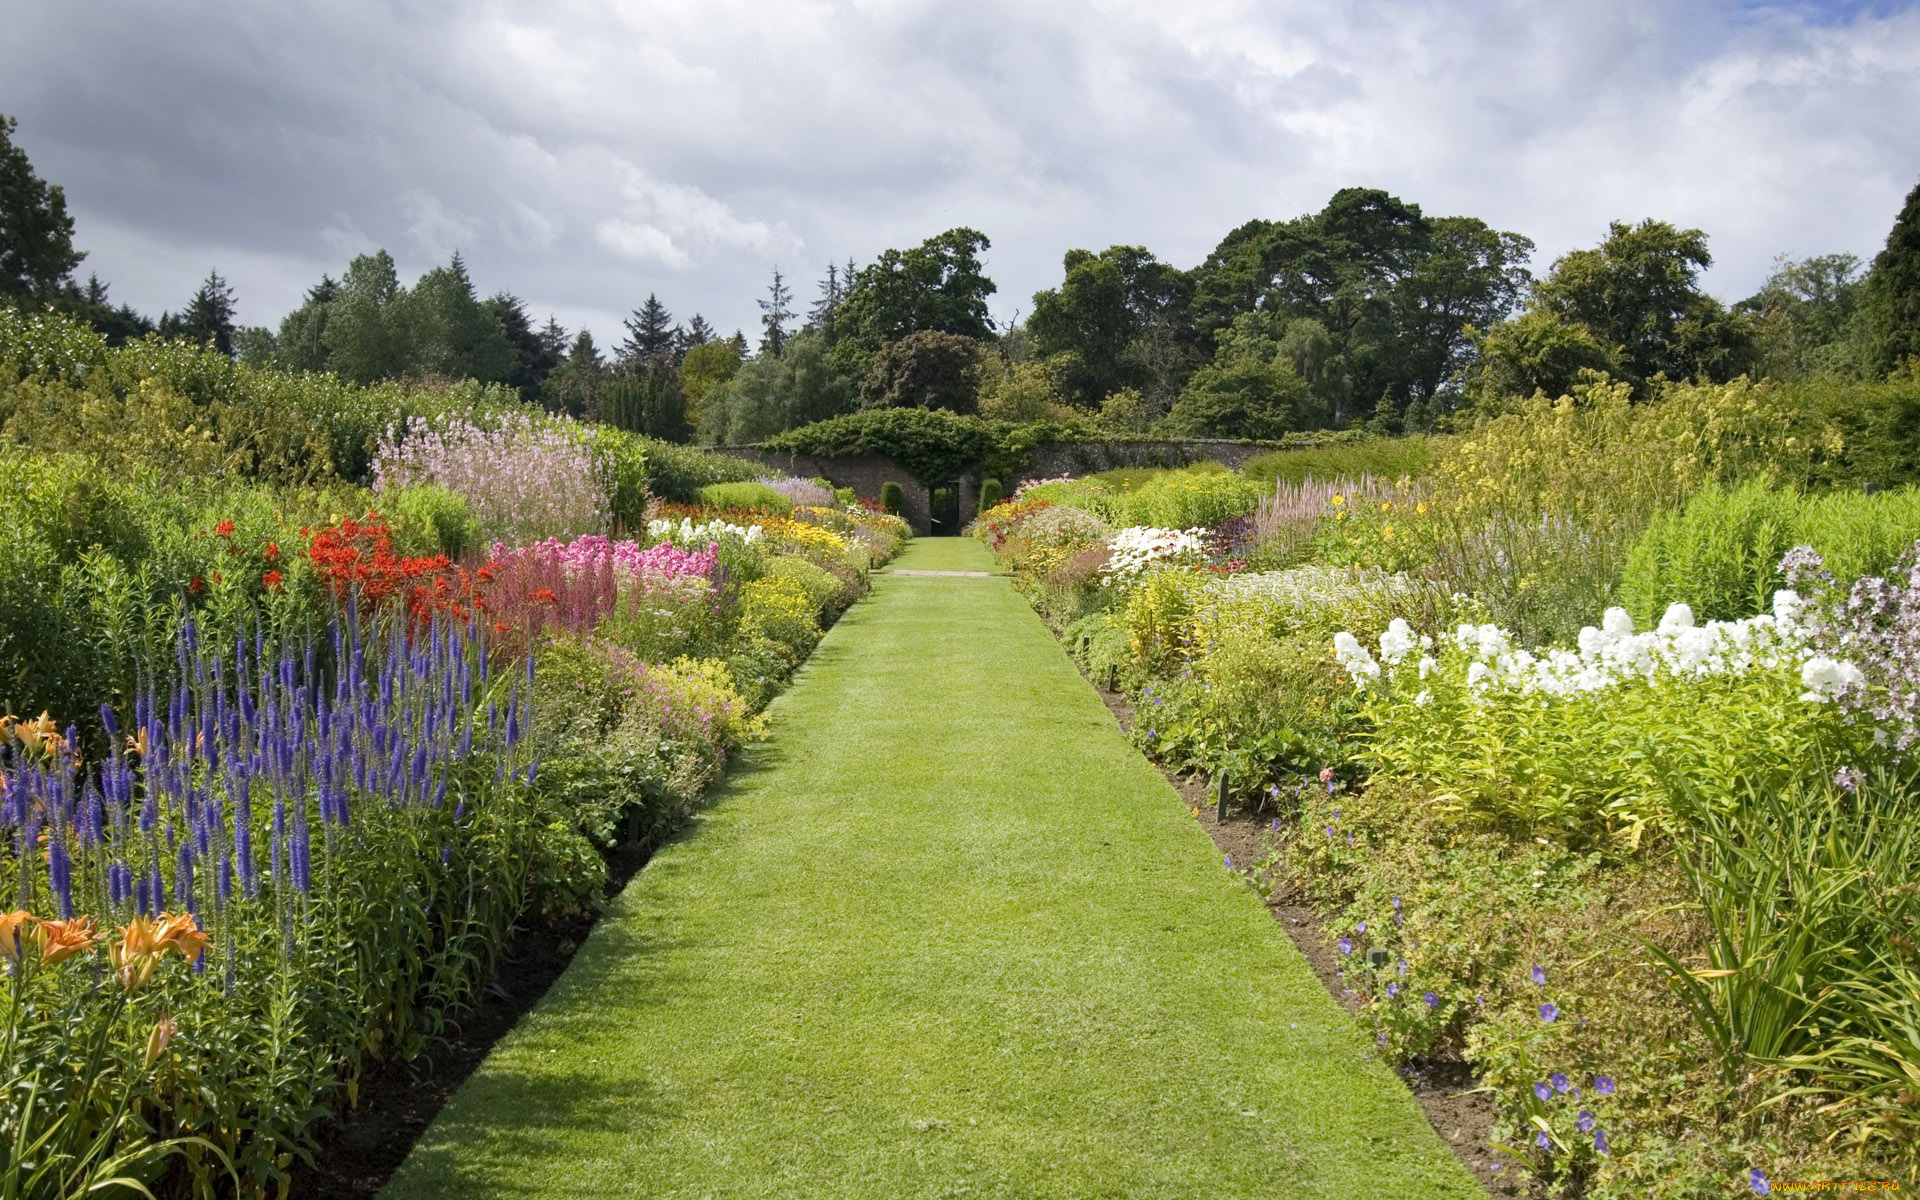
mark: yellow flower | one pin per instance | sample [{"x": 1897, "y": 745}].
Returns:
[
  {"x": 1385, "y": 505},
  {"x": 1337, "y": 501},
  {"x": 1420, "y": 507},
  {"x": 1387, "y": 532}
]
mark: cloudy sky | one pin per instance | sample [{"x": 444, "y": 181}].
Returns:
[{"x": 583, "y": 153}]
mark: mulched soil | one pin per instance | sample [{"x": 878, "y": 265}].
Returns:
[
  {"x": 1462, "y": 1115},
  {"x": 399, "y": 1099}
]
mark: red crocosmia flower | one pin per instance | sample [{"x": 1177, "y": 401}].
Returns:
[
  {"x": 224, "y": 529},
  {"x": 219, "y": 578},
  {"x": 270, "y": 551},
  {"x": 196, "y": 585},
  {"x": 271, "y": 580},
  {"x": 544, "y": 595}
]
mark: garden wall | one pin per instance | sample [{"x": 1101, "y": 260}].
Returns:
[{"x": 864, "y": 473}]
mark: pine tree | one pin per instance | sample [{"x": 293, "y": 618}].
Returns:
[
  {"x": 820, "y": 316},
  {"x": 649, "y": 333},
  {"x": 775, "y": 312},
  {"x": 302, "y": 344},
  {"x": 698, "y": 333},
  {"x": 1890, "y": 299},
  {"x": 208, "y": 317},
  {"x": 553, "y": 340}
]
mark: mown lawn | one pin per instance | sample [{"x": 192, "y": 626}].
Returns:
[{"x": 946, "y": 934}]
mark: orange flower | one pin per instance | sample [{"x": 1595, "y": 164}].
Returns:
[
  {"x": 16, "y": 932},
  {"x": 224, "y": 529},
  {"x": 137, "y": 743},
  {"x": 61, "y": 940},
  {"x": 181, "y": 933},
  {"x": 163, "y": 1031},
  {"x": 270, "y": 551},
  {"x": 271, "y": 580},
  {"x": 134, "y": 956}
]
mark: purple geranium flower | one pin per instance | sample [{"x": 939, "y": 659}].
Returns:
[
  {"x": 1540, "y": 976},
  {"x": 1393, "y": 989},
  {"x": 1757, "y": 1180},
  {"x": 1549, "y": 1011},
  {"x": 1603, "y": 1084},
  {"x": 1362, "y": 927},
  {"x": 1540, "y": 1140},
  {"x": 1433, "y": 1000},
  {"x": 1559, "y": 1082},
  {"x": 1600, "y": 1141},
  {"x": 1544, "y": 1090},
  {"x": 1346, "y": 946},
  {"x": 1584, "y": 1122}
]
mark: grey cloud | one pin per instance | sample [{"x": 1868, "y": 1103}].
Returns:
[{"x": 583, "y": 154}]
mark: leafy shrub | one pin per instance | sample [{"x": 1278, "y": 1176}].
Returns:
[
  {"x": 1721, "y": 553},
  {"x": 990, "y": 493},
  {"x": 428, "y": 519},
  {"x": 1383, "y": 458},
  {"x": 677, "y": 473},
  {"x": 744, "y": 495},
  {"x": 892, "y": 498}
]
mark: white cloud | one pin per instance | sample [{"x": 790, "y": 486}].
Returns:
[{"x": 583, "y": 154}]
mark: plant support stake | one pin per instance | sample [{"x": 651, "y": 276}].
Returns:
[{"x": 1220, "y": 808}]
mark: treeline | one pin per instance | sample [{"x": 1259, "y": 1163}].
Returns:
[{"x": 1366, "y": 313}]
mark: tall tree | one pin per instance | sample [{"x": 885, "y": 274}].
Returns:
[
  {"x": 939, "y": 285},
  {"x": 302, "y": 342},
  {"x": 1639, "y": 291},
  {"x": 649, "y": 333},
  {"x": 573, "y": 387},
  {"x": 208, "y": 317},
  {"x": 697, "y": 333},
  {"x": 1890, "y": 299},
  {"x": 827, "y": 303},
  {"x": 119, "y": 324},
  {"x": 36, "y": 234},
  {"x": 1094, "y": 324},
  {"x": 928, "y": 369},
  {"x": 366, "y": 328},
  {"x": 535, "y": 355},
  {"x": 1803, "y": 314},
  {"x": 775, "y": 311},
  {"x": 454, "y": 335}
]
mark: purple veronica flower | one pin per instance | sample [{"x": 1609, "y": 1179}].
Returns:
[
  {"x": 1544, "y": 1090},
  {"x": 1549, "y": 1011},
  {"x": 1600, "y": 1141},
  {"x": 1559, "y": 1082},
  {"x": 1603, "y": 1084},
  {"x": 1540, "y": 976},
  {"x": 1276, "y": 820},
  {"x": 1584, "y": 1122},
  {"x": 1433, "y": 1000},
  {"x": 1396, "y": 902},
  {"x": 1757, "y": 1180}
]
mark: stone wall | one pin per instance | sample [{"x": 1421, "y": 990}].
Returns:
[{"x": 864, "y": 473}]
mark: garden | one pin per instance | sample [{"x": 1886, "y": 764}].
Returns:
[
  {"x": 1586, "y": 731},
  {"x": 316, "y": 694}
]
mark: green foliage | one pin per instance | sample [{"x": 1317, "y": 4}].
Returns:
[
  {"x": 892, "y": 497},
  {"x": 36, "y": 234},
  {"x": 1101, "y": 325},
  {"x": 677, "y": 473},
  {"x": 991, "y": 493},
  {"x": 925, "y": 369},
  {"x": 934, "y": 445},
  {"x": 1247, "y": 392},
  {"x": 938, "y": 285},
  {"x": 1890, "y": 297},
  {"x": 744, "y": 495},
  {"x": 1802, "y": 316},
  {"x": 769, "y": 394},
  {"x": 1349, "y": 457},
  {"x": 427, "y": 519},
  {"x": 1721, "y": 553}
]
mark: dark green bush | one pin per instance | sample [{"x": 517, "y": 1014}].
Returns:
[
  {"x": 744, "y": 495},
  {"x": 991, "y": 494},
  {"x": 893, "y": 497}
]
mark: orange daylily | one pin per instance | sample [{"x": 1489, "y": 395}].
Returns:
[
  {"x": 16, "y": 931},
  {"x": 135, "y": 956},
  {"x": 137, "y": 743},
  {"x": 163, "y": 1031},
  {"x": 181, "y": 933},
  {"x": 61, "y": 940}
]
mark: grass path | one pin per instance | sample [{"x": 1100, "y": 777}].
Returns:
[{"x": 946, "y": 934}]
